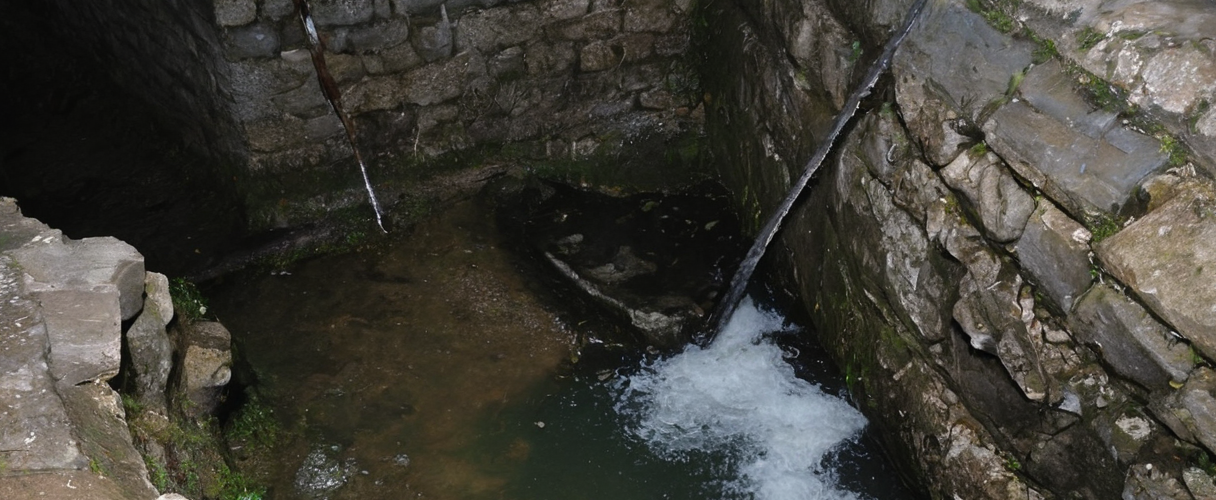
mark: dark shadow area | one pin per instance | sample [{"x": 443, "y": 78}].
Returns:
[{"x": 85, "y": 156}]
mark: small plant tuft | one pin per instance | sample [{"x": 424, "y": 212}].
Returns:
[
  {"x": 1174, "y": 149},
  {"x": 188, "y": 302}
]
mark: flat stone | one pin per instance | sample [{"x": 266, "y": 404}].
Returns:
[
  {"x": 34, "y": 427},
  {"x": 85, "y": 333},
  {"x": 56, "y": 264},
  {"x": 1084, "y": 159},
  {"x": 597, "y": 56},
  {"x": 596, "y": 25},
  {"x": 435, "y": 42},
  {"x": 996, "y": 196},
  {"x": 381, "y": 35},
  {"x": 1054, "y": 251},
  {"x": 1168, "y": 260},
  {"x": 1129, "y": 339},
  {"x": 952, "y": 69},
  {"x": 17, "y": 230},
  {"x": 61, "y": 485},
  {"x": 235, "y": 12}
]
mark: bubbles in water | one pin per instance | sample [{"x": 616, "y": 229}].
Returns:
[{"x": 740, "y": 397}]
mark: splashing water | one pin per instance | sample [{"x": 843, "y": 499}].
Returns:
[{"x": 740, "y": 395}]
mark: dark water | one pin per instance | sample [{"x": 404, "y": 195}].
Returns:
[{"x": 436, "y": 368}]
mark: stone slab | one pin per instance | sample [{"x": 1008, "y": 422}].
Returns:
[
  {"x": 1054, "y": 251},
  {"x": 1129, "y": 339},
  {"x": 85, "y": 333},
  {"x": 55, "y": 264},
  {"x": 1168, "y": 259},
  {"x": 61, "y": 485},
  {"x": 97, "y": 415},
  {"x": 35, "y": 433}
]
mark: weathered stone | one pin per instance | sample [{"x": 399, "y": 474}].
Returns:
[
  {"x": 544, "y": 58},
  {"x": 507, "y": 64},
  {"x": 596, "y": 25},
  {"x": 598, "y": 56},
  {"x": 1191, "y": 411},
  {"x": 377, "y": 36},
  {"x": 151, "y": 351},
  {"x": 277, "y": 9},
  {"x": 952, "y": 71},
  {"x": 341, "y": 12},
  {"x": 235, "y": 12},
  {"x": 34, "y": 426},
  {"x": 205, "y": 363},
  {"x": 1168, "y": 260},
  {"x": 96, "y": 412},
  {"x": 436, "y": 83},
  {"x": 1083, "y": 159},
  {"x": 255, "y": 40},
  {"x": 493, "y": 29},
  {"x": 1146, "y": 482},
  {"x": 435, "y": 42},
  {"x": 84, "y": 332},
  {"x": 1129, "y": 339},
  {"x": 53, "y": 264},
  {"x": 1054, "y": 251},
  {"x": 654, "y": 17},
  {"x": 1199, "y": 483},
  {"x": 565, "y": 9},
  {"x": 996, "y": 196},
  {"x": 1124, "y": 433},
  {"x": 396, "y": 59}
]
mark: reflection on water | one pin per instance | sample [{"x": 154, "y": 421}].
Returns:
[{"x": 431, "y": 370}]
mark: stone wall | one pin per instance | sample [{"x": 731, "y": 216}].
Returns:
[
  {"x": 1010, "y": 253},
  {"x": 433, "y": 88}
]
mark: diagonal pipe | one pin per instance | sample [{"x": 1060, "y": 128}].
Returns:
[
  {"x": 738, "y": 283},
  {"x": 329, "y": 87}
]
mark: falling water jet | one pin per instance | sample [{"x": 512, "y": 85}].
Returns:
[
  {"x": 739, "y": 282},
  {"x": 330, "y": 88}
]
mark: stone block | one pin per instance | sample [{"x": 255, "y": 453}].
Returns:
[
  {"x": 341, "y": 12},
  {"x": 151, "y": 354},
  {"x": 435, "y": 42},
  {"x": 657, "y": 18},
  {"x": 1129, "y": 339},
  {"x": 235, "y": 12},
  {"x": 278, "y": 9},
  {"x": 96, "y": 412},
  {"x": 1167, "y": 258},
  {"x": 490, "y": 30},
  {"x": 1191, "y": 411},
  {"x": 255, "y": 40},
  {"x": 594, "y": 26},
  {"x": 1084, "y": 159},
  {"x": 55, "y": 264},
  {"x": 993, "y": 193},
  {"x": 436, "y": 83},
  {"x": 565, "y": 9},
  {"x": 598, "y": 56},
  {"x": 85, "y": 333},
  {"x": 1054, "y": 251},
  {"x": 378, "y": 36},
  {"x": 952, "y": 69},
  {"x": 205, "y": 363}
]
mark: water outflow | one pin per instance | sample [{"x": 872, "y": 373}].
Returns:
[
  {"x": 741, "y": 397},
  {"x": 316, "y": 47},
  {"x": 738, "y": 283}
]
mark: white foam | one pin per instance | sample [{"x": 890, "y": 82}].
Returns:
[{"x": 740, "y": 394}]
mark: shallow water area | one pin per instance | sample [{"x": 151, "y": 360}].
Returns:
[{"x": 436, "y": 368}]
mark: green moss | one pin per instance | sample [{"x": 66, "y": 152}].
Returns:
[
  {"x": 1088, "y": 37},
  {"x": 1173, "y": 149},
  {"x": 855, "y": 51},
  {"x": 1045, "y": 50},
  {"x": 1102, "y": 227}
]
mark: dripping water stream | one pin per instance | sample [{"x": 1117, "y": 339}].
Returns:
[{"x": 329, "y": 87}]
